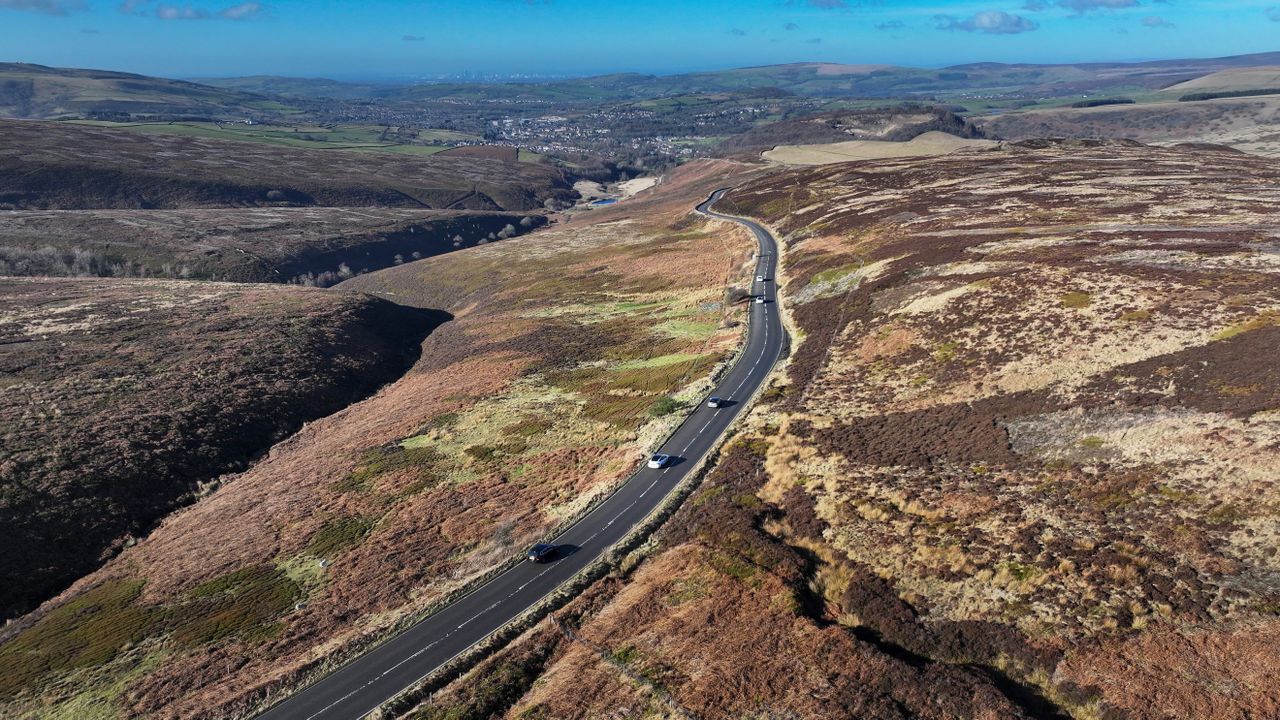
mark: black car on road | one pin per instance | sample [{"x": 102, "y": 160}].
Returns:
[{"x": 541, "y": 553}]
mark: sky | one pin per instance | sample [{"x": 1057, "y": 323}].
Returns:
[{"x": 383, "y": 39}]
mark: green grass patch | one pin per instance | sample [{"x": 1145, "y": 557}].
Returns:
[
  {"x": 1267, "y": 319},
  {"x": 664, "y": 406},
  {"x": 1227, "y": 514},
  {"x": 1077, "y": 300},
  {"x": 1021, "y": 571},
  {"x": 242, "y": 604},
  {"x": 87, "y": 631},
  {"x": 527, "y": 428},
  {"x": 708, "y": 495},
  {"x": 736, "y": 568},
  {"x": 686, "y": 590},
  {"x": 339, "y": 534},
  {"x": 303, "y": 569},
  {"x": 677, "y": 328},
  {"x": 625, "y": 654},
  {"x": 384, "y": 460},
  {"x": 835, "y": 274},
  {"x": 623, "y": 412},
  {"x": 660, "y": 378},
  {"x": 944, "y": 353},
  {"x": 661, "y": 361}
]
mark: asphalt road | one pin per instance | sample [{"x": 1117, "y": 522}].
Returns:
[{"x": 357, "y": 688}]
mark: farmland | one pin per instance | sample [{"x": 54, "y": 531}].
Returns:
[{"x": 66, "y": 166}]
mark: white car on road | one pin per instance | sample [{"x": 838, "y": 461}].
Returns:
[{"x": 659, "y": 461}]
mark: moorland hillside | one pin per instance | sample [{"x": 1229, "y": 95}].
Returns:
[
  {"x": 64, "y": 166},
  {"x": 1020, "y": 463},
  {"x": 92, "y": 201},
  {"x": 307, "y": 245},
  {"x": 571, "y": 351},
  {"x": 1250, "y": 124},
  {"x": 40, "y": 92},
  {"x": 124, "y": 398}
]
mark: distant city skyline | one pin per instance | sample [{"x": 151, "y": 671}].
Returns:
[{"x": 389, "y": 40}]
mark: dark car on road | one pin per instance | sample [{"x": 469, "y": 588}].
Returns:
[{"x": 542, "y": 552}]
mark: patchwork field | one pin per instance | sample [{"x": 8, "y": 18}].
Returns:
[
  {"x": 570, "y": 352},
  {"x": 52, "y": 165},
  {"x": 1020, "y": 463}
]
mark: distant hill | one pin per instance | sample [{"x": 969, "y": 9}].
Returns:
[
  {"x": 1235, "y": 79},
  {"x": 36, "y": 91},
  {"x": 892, "y": 124},
  {"x": 291, "y": 87},
  {"x": 66, "y": 166},
  {"x": 812, "y": 79}
]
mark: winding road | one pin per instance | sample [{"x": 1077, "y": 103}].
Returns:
[{"x": 357, "y": 688}]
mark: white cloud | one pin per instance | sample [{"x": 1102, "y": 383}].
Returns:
[
  {"x": 1084, "y": 6},
  {"x": 992, "y": 22},
  {"x": 44, "y": 7},
  {"x": 185, "y": 12},
  {"x": 243, "y": 11}
]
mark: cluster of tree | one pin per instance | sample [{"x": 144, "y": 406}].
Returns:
[
  {"x": 327, "y": 278},
  {"x": 76, "y": 262},
  {"x": 1194, "y": 97},
  {"x": 1099, "y": 102}
]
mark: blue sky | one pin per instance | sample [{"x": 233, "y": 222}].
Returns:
[{"x": 386, "y": 39}]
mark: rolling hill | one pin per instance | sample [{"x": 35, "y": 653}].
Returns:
[
  {"x": 812, "y": 79},
  {"x": 49, "y": 165},
  {"x": 89, "y": 200},
  {"x": 1236, "y": 79},
  {"x": 39, "y": 92}
]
